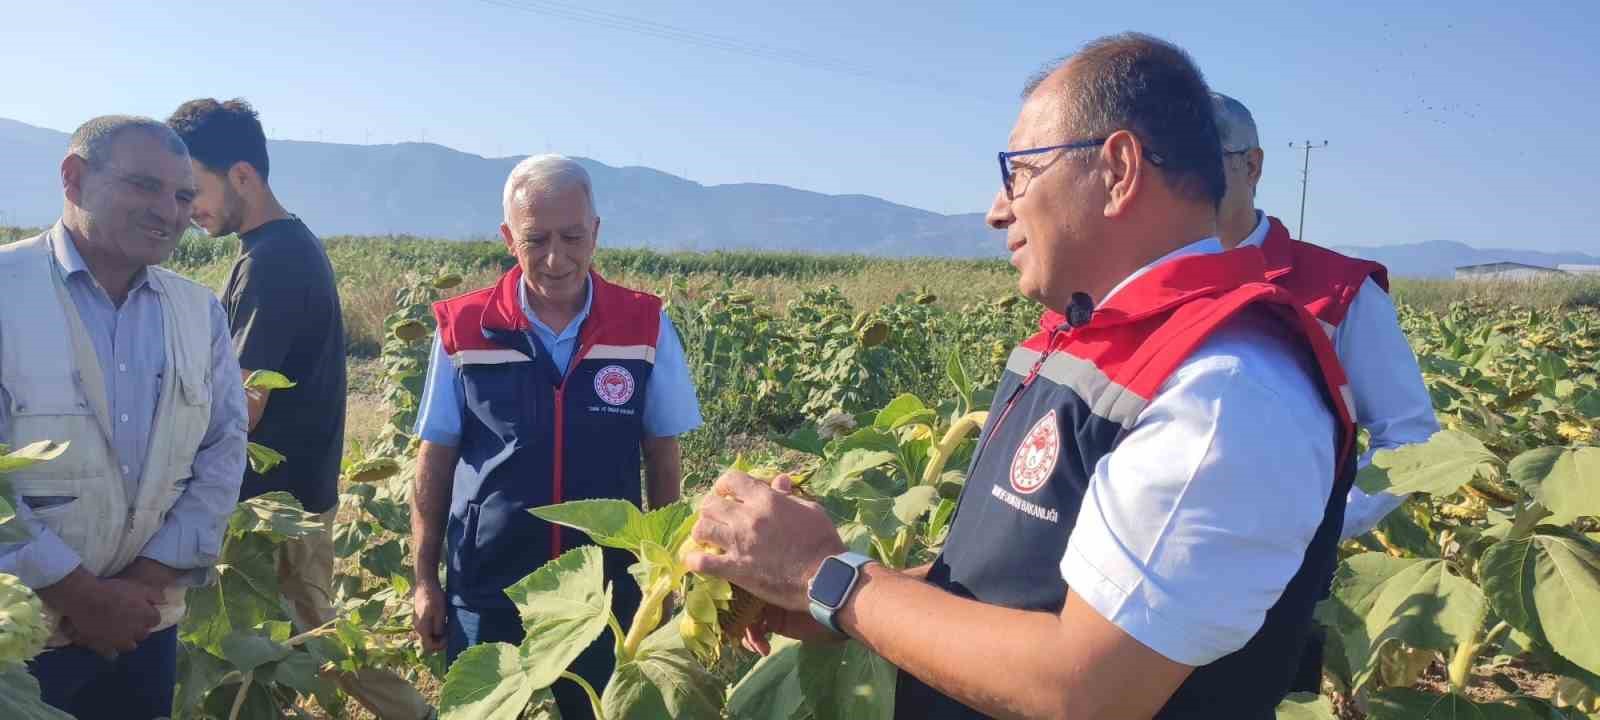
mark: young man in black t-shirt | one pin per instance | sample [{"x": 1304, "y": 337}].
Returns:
[{"x": 283, "y": 306}]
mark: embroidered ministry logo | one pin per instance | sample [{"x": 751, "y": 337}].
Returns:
[
  {"x": 614, "y": 384},
  {"x": 1036, "y": 456}
]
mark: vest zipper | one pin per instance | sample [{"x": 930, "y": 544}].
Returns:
[
  {"x": 557, "y": 485},
  {"x": 1049, "y": 347}
]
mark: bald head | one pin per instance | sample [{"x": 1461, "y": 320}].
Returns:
[
  {"x": 1146, "y": 86},
  {"x": 542, "y": 176}
]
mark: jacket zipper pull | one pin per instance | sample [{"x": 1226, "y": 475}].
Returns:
[{"x": 1049, "y": 347}]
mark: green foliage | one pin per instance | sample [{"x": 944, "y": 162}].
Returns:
[
  {"x": 19, "y": 696},
  {"x": 1305, "y": 706},
  {"x": 564, "y": 607},
  {"x": 12, "y": 461},
  {"x": 1493, "y": 556},
  {"x": 23, "y": 631},
  {"x": 267, "y": 380},
  {"x": 1547, "y": 585}
]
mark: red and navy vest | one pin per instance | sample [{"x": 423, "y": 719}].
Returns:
[
  {"x": 535, "y": 434},
  {"x": 1324, "y": 281},
  {"x": 1068, "y": 397}
]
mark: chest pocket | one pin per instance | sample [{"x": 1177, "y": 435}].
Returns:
[
  {"x": 507, "y": 398},
  {"x": 72, "y": 493},
  {"x": 51, "y": 408},
  {"x": 191, "y": 416}
]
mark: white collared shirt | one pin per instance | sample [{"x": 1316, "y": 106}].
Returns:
[
  {"x": 1195, "y": 523},
  {"x": 1391, "y": 402}
]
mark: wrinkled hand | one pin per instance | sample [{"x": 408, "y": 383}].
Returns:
[
  {"x": 428, "y": 615},
  {"x": 788, "y": 623},
  {"x": 149, "y": 573},
  {"x": 115, "y": 617},
  {"x": 772, "y": 542}
]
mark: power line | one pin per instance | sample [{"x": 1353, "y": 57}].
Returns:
[{"x": 649, "y": 28}]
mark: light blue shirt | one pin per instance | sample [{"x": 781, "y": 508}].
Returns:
[
  {"x": 130, "y": 343},
  {"x": 670, "y": 405},
  {"x": 1391, "y": 401}
]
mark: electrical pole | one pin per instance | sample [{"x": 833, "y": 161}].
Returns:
[{"x": 1305, "y": 177}]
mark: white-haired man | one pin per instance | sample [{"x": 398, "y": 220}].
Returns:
[
  {"x": 552, "y": 385},
  {"x": 1350, "y": 296}
]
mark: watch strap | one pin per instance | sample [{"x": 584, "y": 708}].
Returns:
[{"x": 824, "y": 614}]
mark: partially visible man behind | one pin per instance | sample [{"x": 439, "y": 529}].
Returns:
[
  {"x": 1350, "y": 297},
  {"x": 130, "y": 364},
  {"x": 283, "y": 307}
]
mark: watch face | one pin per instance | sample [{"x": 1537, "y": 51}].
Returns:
[{"x": 832, "y": 582}]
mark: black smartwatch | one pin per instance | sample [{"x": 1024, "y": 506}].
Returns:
[{"x": 836, "y": 578}]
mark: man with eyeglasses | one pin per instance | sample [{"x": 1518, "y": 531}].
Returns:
[
  {"x": 131, "y": 366},
  {"x": 1348, "y": 295},
  {"x": 1155, "y": 499}
]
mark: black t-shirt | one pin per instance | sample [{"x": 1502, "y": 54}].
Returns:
[{"x": 283, "y": 307}]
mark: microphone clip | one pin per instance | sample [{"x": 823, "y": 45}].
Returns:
[{"x": 1079, "y": 309}]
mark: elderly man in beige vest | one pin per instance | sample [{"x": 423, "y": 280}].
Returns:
[{"x": 133, "y": 367}]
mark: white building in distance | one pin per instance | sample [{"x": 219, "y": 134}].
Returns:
[{"x": 1507, "y": 271}]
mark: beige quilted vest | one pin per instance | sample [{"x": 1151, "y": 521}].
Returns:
[{"x": 53, "y": 379}]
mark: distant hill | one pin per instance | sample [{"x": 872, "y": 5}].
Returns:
[
  {"x": 434, "y": 191},
  {"x": 1440, "y": 258},
  {"x": 431, "y": 190}
]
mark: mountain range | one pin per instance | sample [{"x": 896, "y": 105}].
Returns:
[
  {"x": 430, "y": 190},
  {"x": 1440, "y": 258}
]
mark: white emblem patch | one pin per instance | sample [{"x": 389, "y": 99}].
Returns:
[
  {"x": 614, "y": 384},
  {"x": 1036, "y": 456}
]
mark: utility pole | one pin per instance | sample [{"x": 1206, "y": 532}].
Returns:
[{"x": 1305, "y": 177}]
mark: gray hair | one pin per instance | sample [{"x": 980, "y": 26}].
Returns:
[
  {"x": 92, "y": 140},
  {"x": 1234, "y": 124},
  {"x": 541, "y": 174}
]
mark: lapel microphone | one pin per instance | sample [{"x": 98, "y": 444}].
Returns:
[{"x": 1079, "y": 309}]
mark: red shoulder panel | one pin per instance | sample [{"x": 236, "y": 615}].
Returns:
[{"x": 1324, "y": 281}]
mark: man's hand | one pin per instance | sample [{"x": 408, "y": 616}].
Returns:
[
  {"x": 150, "y": 573},
  {"x": 428, "y": 615},
  {"x": 114, "y": 616},
  {"x": 772, "y": 542},
  {"x": 788, "y": 623}
]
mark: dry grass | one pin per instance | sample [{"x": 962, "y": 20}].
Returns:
[{"x": 1435, "y": 295}]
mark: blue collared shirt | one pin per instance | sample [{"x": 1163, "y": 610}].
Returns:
[
  {"x": 1391, "y": 401},
  {"x": 130, "y": 343},
  {"x": 670, "y": 406}
]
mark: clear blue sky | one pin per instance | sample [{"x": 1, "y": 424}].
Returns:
[{"x": 1471, "y": 121}]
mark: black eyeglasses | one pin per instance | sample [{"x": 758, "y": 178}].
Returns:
[{"x": 1007, "y": 177}]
